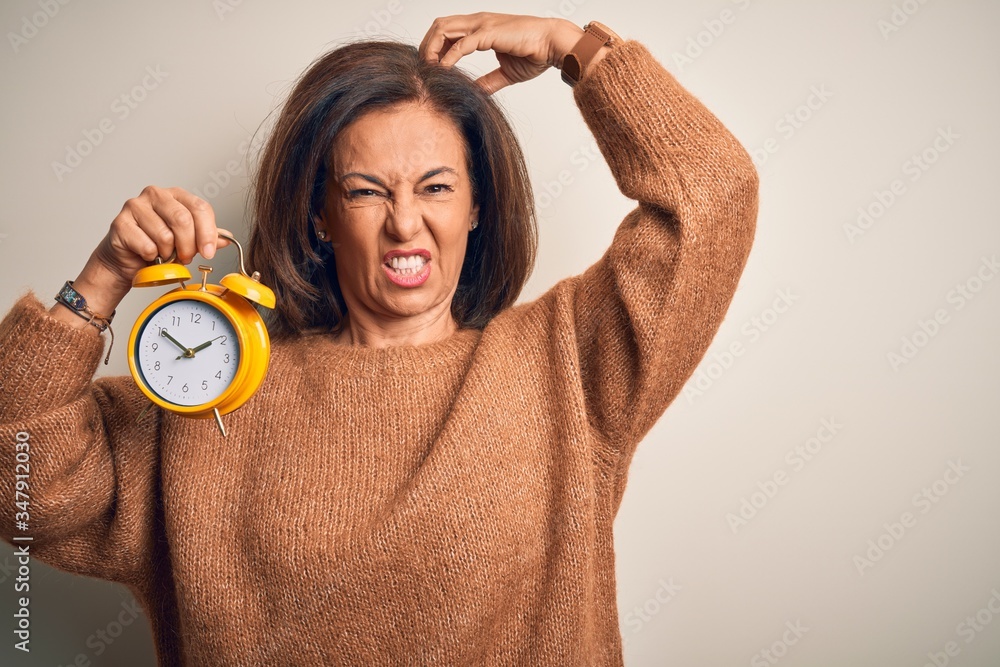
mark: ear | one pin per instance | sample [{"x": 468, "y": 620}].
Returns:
[{"x": 319, "y": 224}]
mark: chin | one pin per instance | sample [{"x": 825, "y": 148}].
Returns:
[{"x": 409, "y": 305}]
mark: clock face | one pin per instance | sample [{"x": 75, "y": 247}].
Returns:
[{"x": 187, "y": 352}]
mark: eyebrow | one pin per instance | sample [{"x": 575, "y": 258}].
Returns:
[{"x": 430, "y": 174}]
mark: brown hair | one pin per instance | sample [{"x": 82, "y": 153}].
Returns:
[{"x": 290, "y": 185}]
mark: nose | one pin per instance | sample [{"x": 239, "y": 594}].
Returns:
[{"x": 405, "y": 219}]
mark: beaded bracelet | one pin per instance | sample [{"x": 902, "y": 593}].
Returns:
[{"x": 73, "y": 300}]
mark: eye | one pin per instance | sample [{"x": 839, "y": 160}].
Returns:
[
  {"x": 439, "y": 188},
  {"x": 362, "y": 192}
]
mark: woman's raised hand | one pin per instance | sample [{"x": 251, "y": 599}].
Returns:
[
  {"x": 157, "y": 223},
  {"x": 525, "y": 46}
]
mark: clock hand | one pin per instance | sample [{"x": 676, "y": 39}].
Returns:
[
  {"x": 187, "y": 351},
  {"x": 202, "y": 346}
]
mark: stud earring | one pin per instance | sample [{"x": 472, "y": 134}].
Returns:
[
  {"x": 321, "y": 234},
  {"x": 475, "y": 223}
]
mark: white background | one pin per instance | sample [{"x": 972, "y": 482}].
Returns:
[{"x": 886, "y": 95}]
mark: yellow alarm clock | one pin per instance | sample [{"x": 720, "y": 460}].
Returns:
[{"x": 200, "y": 350}]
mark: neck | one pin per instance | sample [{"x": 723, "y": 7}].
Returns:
[{"x": 417, "y": 330}]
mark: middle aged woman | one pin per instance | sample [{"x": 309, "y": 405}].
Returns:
[{"x": 431, "y": 473}]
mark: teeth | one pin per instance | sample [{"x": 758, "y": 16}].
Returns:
[{"x": 410, "y": 264}]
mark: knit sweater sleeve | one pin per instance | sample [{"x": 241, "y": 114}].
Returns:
[
  {"x": 89, "y": 466},
  {"x": 644, "y": 315}
]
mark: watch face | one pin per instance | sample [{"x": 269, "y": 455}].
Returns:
[{"x": 187, "y": 352}]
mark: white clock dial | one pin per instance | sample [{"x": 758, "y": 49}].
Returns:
[{"x": 173, "y": 373}]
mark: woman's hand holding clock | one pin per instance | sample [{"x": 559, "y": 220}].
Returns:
[{"x": 157, "y": 223}]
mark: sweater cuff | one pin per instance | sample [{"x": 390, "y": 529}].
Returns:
[{"x": 44, "y": 361}]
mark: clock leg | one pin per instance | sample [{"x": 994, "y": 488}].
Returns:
[
  {"x": 143, "y": 413},
  {"x": 218, "y": 420}
]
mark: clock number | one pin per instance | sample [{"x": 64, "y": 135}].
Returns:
[
  {"x": 175, "y": 321},
  {"x": 225, "y": 338},
  {"x": 155, "y": 347},
  {"x": 156, "y": 366},
  {"x": 169, "y": 378},
  {"x": 226, "y": 360},
  {"x": 184, "y": 388},
  {"x": 219, "y": 375},
  {"x": 204, "y": 384},
  {"x": 196, "y": 318},
  {"x": 213, "y": 325}
]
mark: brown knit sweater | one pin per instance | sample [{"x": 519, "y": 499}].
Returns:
[{"x": 447, "y": 504}]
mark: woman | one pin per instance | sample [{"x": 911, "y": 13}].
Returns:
[{"x": 429, "y": 474}]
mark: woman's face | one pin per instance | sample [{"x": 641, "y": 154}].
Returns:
[{"x": 399, "y": 183}]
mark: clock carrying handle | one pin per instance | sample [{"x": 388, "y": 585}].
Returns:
[
  {"x": 239, "y": 247},
  {"x": 243, "y": 283},
  {"x": 243, "y": 269}
]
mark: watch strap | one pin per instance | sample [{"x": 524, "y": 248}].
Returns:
[{"x": 576, "y": 61}]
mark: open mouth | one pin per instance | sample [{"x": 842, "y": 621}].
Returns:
[{"x": 408, "y": 267}]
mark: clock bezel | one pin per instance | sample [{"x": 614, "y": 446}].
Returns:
[{"x": 248, "y": 326}]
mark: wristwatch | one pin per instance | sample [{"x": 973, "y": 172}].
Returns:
[{"x": 595, "y": 35}]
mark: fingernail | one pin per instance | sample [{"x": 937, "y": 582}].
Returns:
[{"x": 208, "y": 250}]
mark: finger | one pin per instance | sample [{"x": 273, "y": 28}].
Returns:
[
  {"x": 430, "y": 45},
  {"x": 180, "y": 221},
  {"x": 477, "y": 41},
  {"x": 206, "y": 237},
  {"x": 443, "y": 44},
  {"x": 443, "y": 33},
  {"x": 494, "y": 81},
  {"x": 425, "y": 42},
  {"x": 127, "y": 235},
  {"x": 221, "y": 242},
  {"x": 139, "y": 212}
]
